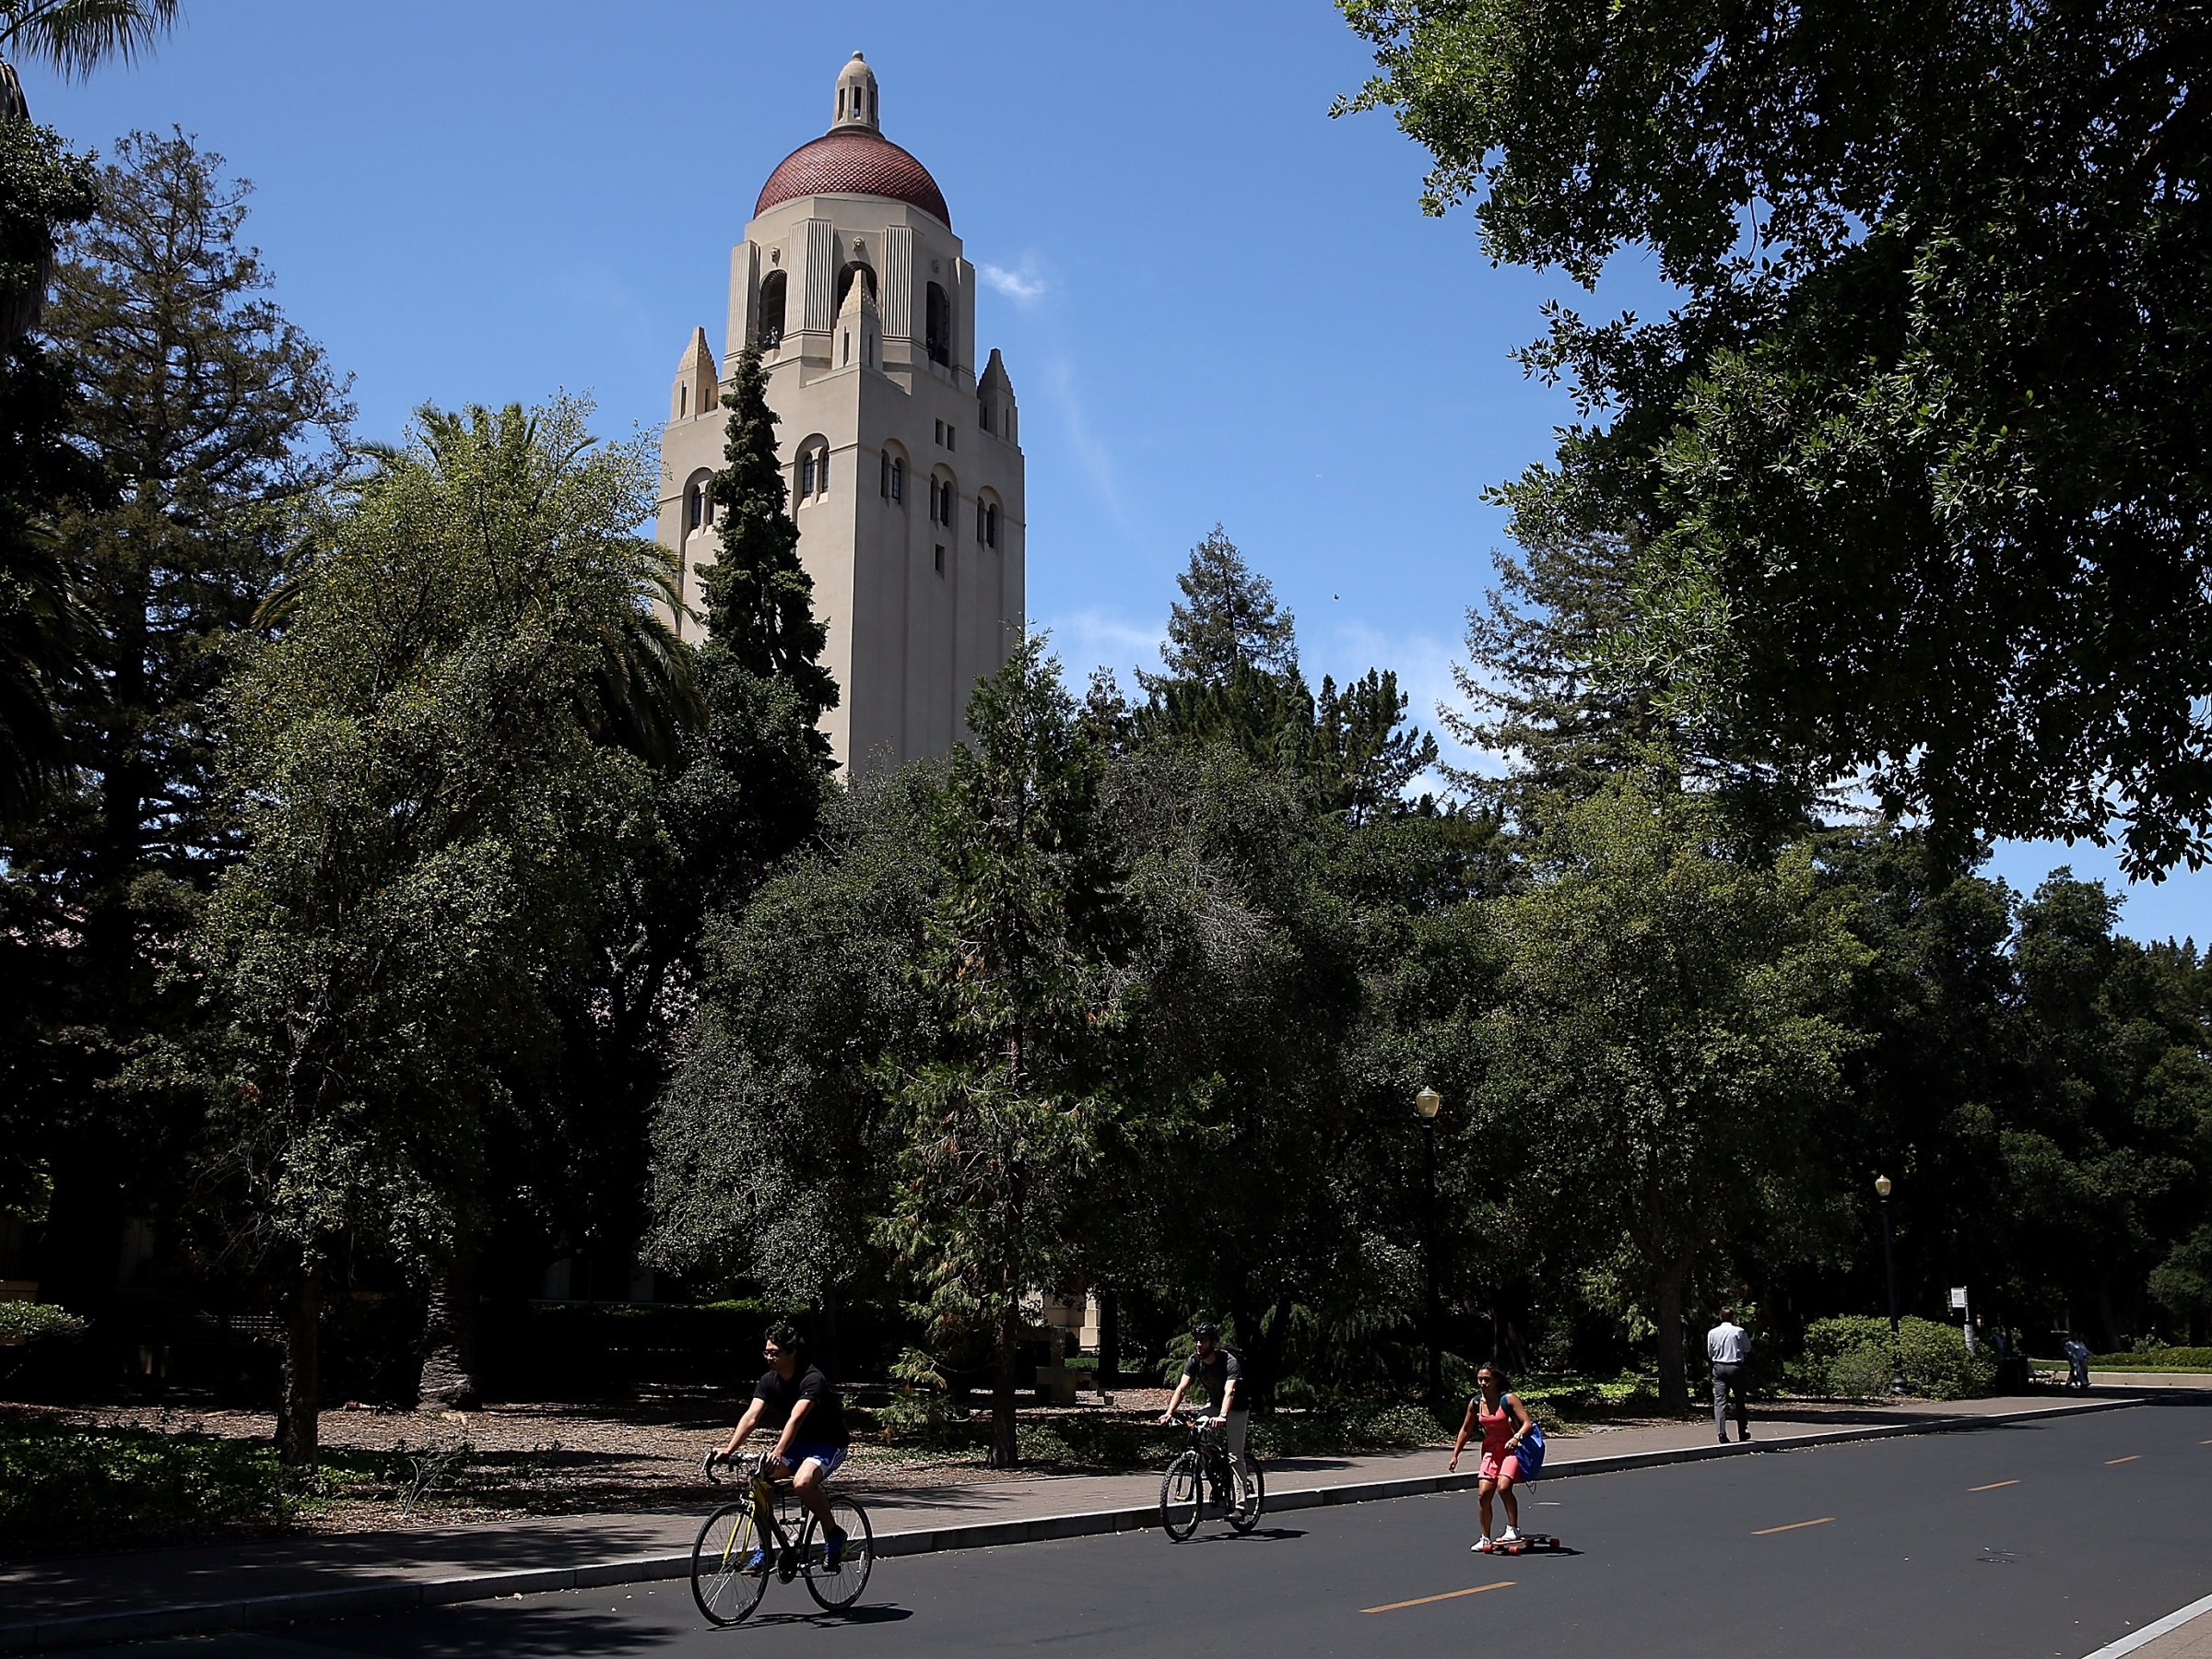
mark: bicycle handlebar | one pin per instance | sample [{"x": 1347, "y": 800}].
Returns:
[{"x": 755, "y": 1462}]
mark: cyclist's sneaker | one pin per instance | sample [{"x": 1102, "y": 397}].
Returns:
[
  {"x": 760, "y": 1560},
  {"x": 833, "y": 1548}
]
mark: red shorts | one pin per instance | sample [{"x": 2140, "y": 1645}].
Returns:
[{"x": 1497, "y": 1467}]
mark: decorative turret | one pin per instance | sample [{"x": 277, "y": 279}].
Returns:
[
  {"x": 697, "y": 388},
  {"x": 859, "y": 327},
  {"x": 995, "y": 400},
  {"x": 856, "y": 97}
]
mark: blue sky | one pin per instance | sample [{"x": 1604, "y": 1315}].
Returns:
[{"x": 1217, "y": 303}]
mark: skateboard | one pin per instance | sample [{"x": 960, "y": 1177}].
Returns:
[{"x": 1526, "y": 1542}]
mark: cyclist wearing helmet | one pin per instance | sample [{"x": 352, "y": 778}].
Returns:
[
  {"x": 1214, "y": 1369},
  {"x": 797, "y": 1403}
]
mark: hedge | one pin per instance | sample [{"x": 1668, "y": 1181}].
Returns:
[{"x": 1850, "y": 1356}]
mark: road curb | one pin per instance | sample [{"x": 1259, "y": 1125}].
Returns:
[{"x": 195, "y": 1618}]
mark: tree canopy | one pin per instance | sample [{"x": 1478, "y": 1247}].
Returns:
[{"x": 1913, "y": 465}]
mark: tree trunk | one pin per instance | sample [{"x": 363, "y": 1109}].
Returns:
[
  {"x": 448, "y": 1341},
  {"x": 827, "y": 1349},
  {"x": 1006, "y": 1446},
  {"x": 301, "y": 1401},
  {"x": 1674, "y": 1377},
  {"x": 1109, "y": 1339}
]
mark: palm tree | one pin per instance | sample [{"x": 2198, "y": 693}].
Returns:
[{"x": 74, "y": 37}]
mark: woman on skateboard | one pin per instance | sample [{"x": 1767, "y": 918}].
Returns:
[{"x": 1503, "y": 1420}]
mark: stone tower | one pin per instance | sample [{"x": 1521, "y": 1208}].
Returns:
[{"x": 905, "y": 468}]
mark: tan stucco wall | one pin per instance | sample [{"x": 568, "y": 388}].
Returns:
[{"x": 906, "y": 642}]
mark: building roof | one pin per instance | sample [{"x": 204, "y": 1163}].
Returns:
[{"x": 853, "y": 161}]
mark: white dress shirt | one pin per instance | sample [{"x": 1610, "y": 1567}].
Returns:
[{"x": 1727, "y": 1344}]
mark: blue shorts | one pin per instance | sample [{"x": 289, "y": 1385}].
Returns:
[{"x": 828, "y": 1456}]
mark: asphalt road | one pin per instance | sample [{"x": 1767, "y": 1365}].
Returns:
[{"x": 2054, "y": 1537}]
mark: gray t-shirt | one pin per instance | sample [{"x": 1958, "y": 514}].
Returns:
[
  {"x": 1727, "y": 1344},
  {"x": 1213, "y": 1375}
]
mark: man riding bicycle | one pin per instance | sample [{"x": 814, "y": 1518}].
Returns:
[
  {"x": 1215, "y": 1369},
  {"x": 796, "y": 1400}
]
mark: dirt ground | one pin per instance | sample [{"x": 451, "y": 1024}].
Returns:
[{"x": 385, "y": 1467}]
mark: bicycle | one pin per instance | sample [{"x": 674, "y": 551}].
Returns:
[
  {"x": 1236, "y": 1480},
  {"x": 748, "y": 1540}
]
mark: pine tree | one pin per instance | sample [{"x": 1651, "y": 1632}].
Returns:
[
  {"x": 759, "y": 599},
  {"x": 1225, "y": 621},
  {"x": 1002, "y": 1117},
  {"x": 214, "y": 420}
]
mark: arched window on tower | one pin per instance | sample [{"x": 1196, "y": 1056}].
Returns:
[
  {"x": 990, "y": 526},
  {"x": 770, "y": 330},
  {"x": 695, "y": 507},
  {"x": 938, "y": 323},
  {"x": 979, "y": 523},
  {"x": 844, "y": 281}
]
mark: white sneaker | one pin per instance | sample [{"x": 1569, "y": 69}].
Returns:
[
  {"x": 1509, "y": 1536},
  {"x": 1482, "y": 1546}
]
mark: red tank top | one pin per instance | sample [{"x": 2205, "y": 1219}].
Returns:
[{"x": 1497, "y": 1427}]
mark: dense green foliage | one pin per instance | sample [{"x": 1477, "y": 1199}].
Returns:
[
  {"x": 1913, "y": 464},
  {"x": 66, "y": 1488},
  {"x": 1853, "y": 1356}
]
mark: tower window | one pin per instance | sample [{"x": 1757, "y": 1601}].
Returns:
[
  {"x": 990, "y": 526},
  {"x": 938, "y": 318},
  {"x": 855, "y": 267},
  {"x": 807, "y": 475},
  {"x": 772, "y": 310},
  {"x": 983, "y": 414},
  {"x": 940, "y": 560},
  {"x": 933, "y": 499},
  {"x": 979, "y": 523},
  {"x": 897, "y": 479},
  {"x": 695, "y": 507},
  {"x": 949, "y": 436},
  {"x": 884, "y": 488}
]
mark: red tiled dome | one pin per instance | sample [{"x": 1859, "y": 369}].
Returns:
[{"x": 853, "y": 161}]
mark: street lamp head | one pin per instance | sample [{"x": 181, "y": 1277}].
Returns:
[
  {"x": 1427, "y": 1103},
  {"x": 1881, "y": 1185}
]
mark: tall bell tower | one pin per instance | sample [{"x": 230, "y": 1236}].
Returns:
[{"x": 905, "y": 466}]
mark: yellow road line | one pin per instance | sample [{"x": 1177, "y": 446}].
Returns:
[
  {"x": 1993, "y": 1486},
  {"x": 1422, "y": 1601},
  {"x": 1793, "y": 1527},
  {"x": 2130, "y": 1458}
]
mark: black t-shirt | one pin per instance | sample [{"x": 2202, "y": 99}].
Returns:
[
  {"x": 824, "y": 1424},
  {"x": 1213, "y": 1374}
]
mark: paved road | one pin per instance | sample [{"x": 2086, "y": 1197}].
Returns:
[{"x": 2050, "y": 1537}]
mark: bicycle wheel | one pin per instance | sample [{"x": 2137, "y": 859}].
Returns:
[
  {"x": 1251, "y": 1483},
  {"x": 836, "y": 1588},
  {"x": 722, "y": 1585},
  {"x": 1182, "y": 1497}
]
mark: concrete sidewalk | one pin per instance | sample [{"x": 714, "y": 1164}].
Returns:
[{"x": 82, "y": 1600}]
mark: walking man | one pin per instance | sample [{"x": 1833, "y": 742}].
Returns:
[{"x": 1728, "y": 1345}]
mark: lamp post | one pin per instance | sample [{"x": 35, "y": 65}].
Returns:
[
  {"x": 1427, "y": 1103},
  {"x": 1897, "y": 1350}
]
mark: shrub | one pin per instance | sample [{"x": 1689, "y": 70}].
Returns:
[
  {"x": 65, "y": 1488},
  {"x": 2157, "y": 1357},
  {"x": 22, "y": 1320},
  {"x": 1850, "y": 1356}
]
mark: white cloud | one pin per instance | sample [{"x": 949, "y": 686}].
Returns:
[{"x": 1022, "y": 286}]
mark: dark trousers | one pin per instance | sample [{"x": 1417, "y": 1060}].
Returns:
[{"x": 1731, "y": 1377}]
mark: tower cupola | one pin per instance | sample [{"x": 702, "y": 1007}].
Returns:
[{"x": 857, "y": 98}]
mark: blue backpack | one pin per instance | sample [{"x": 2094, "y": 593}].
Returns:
[{"x": 1530, "y": 1452}]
